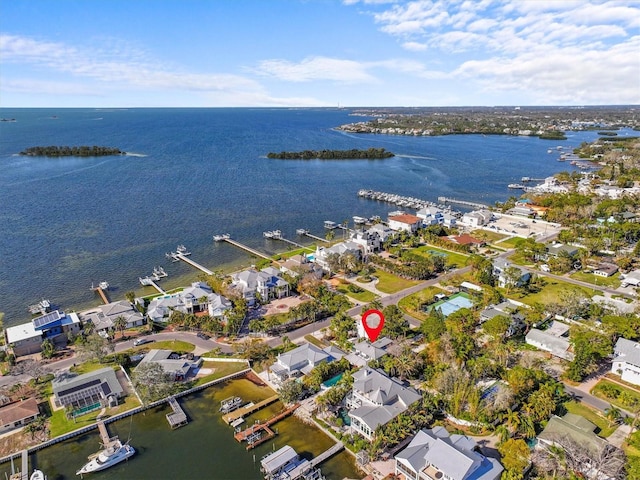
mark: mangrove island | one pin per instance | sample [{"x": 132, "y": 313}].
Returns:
[
  {"x": 371, "y": 153},
  {"x": 82, "y": 151}
]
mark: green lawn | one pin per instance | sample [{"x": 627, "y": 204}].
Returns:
[
  {"x": 313, "y": 340},
  {"x": 550, "y": 292},
  {"x": 59, "y": 424},
  {"x": 364, "y": 296},
  {"x": 220, "y": 369},
  {"x": 389, "y": 283},
  {"x": 593, "y": 416},
  {"x": 511, "y": 243},
  {"x": 451, "y": 258},
  {"x": 174, "y": 345},
  {"x": 87, "y": 367},
  {"x": 623, "y": 392},
  {"x": 487, "y": 236},
  {"x": 613, "y": 281},
  {"x": 411, "y": 304}
]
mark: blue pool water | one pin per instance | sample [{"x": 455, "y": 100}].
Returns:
[
  {"x": 332, "y": 381},
  {"x": 454, "y": 303}
]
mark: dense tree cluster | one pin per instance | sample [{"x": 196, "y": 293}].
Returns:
[
  {"x": 370, "y": 153},
  {"x": 82, "y": 151}
]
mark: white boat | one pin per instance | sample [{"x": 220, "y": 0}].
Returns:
[
  {"x": 182, "y": 250},
  {"x": 330, "y": 224},
  {"x": 115, "y": 453},
  {"x": 38, "y": 475},
  {"x": 359, "y": 219},
  {"x": 230, "y": 404},
  {"x": 42, "y": 307},
  {"x": 516, "y": 186},
  {"x": 220, "y": 238},
  {"x": 104, "y": 285},
  {"x": 302, "y": 231}
]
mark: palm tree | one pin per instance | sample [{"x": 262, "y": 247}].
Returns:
[
  {"x": 503, "y": 433},
  {"x": 330, "y": 235},
  {"x": 613, "y": 414},
  {"x": 120, "y": 324},
  {"x": 130, "y": 296}
]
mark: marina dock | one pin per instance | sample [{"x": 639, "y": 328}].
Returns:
[
  {"x": 177, "y": 418},
  {"x": 248, "y": 410},
  {"x": 149, "y": 282},
  {"x": 260, "y": 432},
  {"x": 338, "y": 447},
  {"x": 462, "y": 202},
  {"x": 248, "y": 249},
  {"x": 181, "y": 256}
]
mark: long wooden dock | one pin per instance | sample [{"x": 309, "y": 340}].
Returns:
[
  {"x": 248, "y": 249},
  {"x": 462, "y": 202},
  {"x": 177, "y": 418},
  {"x": 295, "y": 244},
  {"x": 107, "y": 440},
  {"x": 193, "y": 264},
  {"x": 260, "y": 432},
  {"x": 102, "y": 294},
  {"x": 248, "y": 410},
  {"x": 327, "y": 454},
  {"x": 320, "y": 239}
]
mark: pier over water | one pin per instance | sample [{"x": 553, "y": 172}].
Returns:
[
  {"x": 462, "y": 202},
  {"x": 188, "y": 261}
]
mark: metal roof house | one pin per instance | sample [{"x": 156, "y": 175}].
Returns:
[
  {"x": 433, "y": 454},
  {"x": 104, "y": 316},
  {"x": 626, "y": 362},
  {"x": 557, "y": 345},
  {"x": 267, "y": 283},
  {"x": 376, "y": 399},
  {"x": 177, "y": 368},
  {"x": 88, "y": 391},
  {"x": 27, "y": 338}
]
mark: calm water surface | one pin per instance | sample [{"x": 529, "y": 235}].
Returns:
[
  {"x": 203, "y": 449},
  {"x": 196, "y": 172}
]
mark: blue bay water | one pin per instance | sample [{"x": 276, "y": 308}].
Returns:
[{"x": 194, "y": 173}]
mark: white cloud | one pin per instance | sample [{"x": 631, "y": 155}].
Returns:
[
  {"x": 316, "y": 68},
  {"x": 415, "y": 46}
]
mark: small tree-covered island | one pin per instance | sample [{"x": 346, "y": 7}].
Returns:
[
  {"x": 353, "y": 154},
  {"x": 82, "y": 151}
]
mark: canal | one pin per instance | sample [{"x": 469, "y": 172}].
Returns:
[{"x": 203, "y": 449}]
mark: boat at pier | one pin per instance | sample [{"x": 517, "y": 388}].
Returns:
[
  {"x": 146, "y": 281},
  {"x": 272, "y": 234},
  {"x": 516, "y": 186},
  {"x": 222, "y": 237},
  {"x": 330, "y": 224},
  {"x": 182, "y": 250},
  {"x": 230, "y": 404},
  {"x": 104, "y": 285},
  {"x": 302, "y": 231},
  {"x": 159, "y": 272},
  {"x": 42, "y": 307},
  {"x": 359, "y": 220},
  {"x": 115, "y": 453},
  {"x": 38, "y": 475}
]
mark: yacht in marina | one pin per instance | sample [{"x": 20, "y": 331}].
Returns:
[{"x": 115, "y": 453}]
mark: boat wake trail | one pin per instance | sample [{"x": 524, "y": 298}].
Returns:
[
  {"x": 52, "y": 177},
  {"x": 415, "y": 156}
]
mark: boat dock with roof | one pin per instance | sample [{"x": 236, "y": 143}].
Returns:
[
  {"x": 259, "y": 433},
  {"x": 177, "y": 418}
]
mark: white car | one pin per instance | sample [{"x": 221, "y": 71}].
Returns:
[{"x": 141, "y": 341}]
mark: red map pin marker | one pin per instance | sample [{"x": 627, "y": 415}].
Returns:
[{"x": 373, "y": 321}]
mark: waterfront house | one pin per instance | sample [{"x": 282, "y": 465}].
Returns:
[
  {"x": 300, "y": 265},
  {"x": 626, "y": 361},
  {"x": 553, "y": 340},
  {"x": 104, "y": 316},
  {"x": 299, "y": 361},
  {"x": 372, "y": 239},
  {"x": 27, "y": 338},
  {"x": 477, "y": 218},
  {"x": 266, "y": 284},
  {"x": 194, "y": 299},
  {"x": 173, "y": 365},
  {"x": 405, "y": 222},
  {"x": 87, "y": 392},
  {"x": 377, "y": 399},
  {"x": 18, "y": 414},
  {"x": 501, "y": 269},
  {"x": 323, "y": 254},
  {"x": 430, "y": 216},
  {"x": 434, "y": 454}
]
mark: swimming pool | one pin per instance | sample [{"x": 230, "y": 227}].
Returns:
[
  {"x": 453, "y": 304},
  {"x": 332, "y": 381}
]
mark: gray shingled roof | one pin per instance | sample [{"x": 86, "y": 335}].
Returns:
[{"x": 627, "y": 351}]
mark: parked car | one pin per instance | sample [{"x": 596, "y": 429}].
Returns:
[
  {"x": 203, "y": 336},
  {"x": 141, "y": 341}
]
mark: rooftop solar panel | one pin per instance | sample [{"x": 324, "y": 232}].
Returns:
[{"x": 45, "y": 320}]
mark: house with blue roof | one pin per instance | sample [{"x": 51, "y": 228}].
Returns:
[{"x": 27, "y": 338}]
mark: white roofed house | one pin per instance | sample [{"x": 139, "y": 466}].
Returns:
[
  {"x": 430, "y": 216},
  {"x": 299, "y": 361},
  {"x": 626, "y": 361},
  {"x": 27, "y": 338},
  {"x": 406, "y": 222},
  {"x": 104, "y": 316},
  {"x": 433, "y": 454},
  {"x": 377, "y": 399},
  {"x": 266, "y": 283},
  {"x": 323, "y": 254},
  {"x": 553, "y": 340},
  {"x": 501, "y": 270},
  {"x": 477, "y": 218},
  {"x": 176, "y": 367},
  {"x": 196, "y": 298}
]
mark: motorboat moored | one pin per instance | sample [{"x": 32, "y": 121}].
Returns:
[{"x": 115, "y": 453}]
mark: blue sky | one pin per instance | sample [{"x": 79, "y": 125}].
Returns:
[{"x": 306, "y": 53}]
